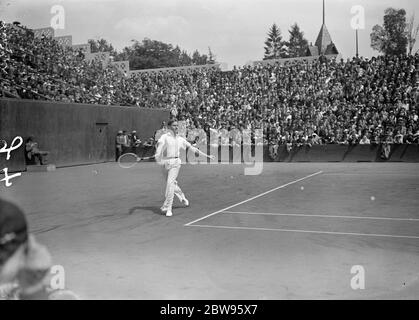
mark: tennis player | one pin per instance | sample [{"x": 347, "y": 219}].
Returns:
[{"x": 168, "y": 156}]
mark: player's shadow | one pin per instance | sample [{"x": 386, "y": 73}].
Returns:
[{"x": 154, "y": 209}]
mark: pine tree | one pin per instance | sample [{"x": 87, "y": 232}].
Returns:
[
  {"x": 297, "y": 45},
  {"x": 198, "y": 59},
  {"x": 177, "y": 52},
  {"x": 274, "y": 46},
  {"x": 185, "y": 59}
]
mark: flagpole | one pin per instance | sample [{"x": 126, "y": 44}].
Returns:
[{"x": 356, "y": 33}]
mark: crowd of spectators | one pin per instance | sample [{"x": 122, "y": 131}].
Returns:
[
  {"x": 40, "y": 68},
  {"x": 357, "y": 101},
  {"x": 347, "y": 102}
]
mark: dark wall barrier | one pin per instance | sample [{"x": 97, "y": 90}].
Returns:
[
  {"x": 361, "y": 153},
  {"x": 409, "y": 153},
  {"x": 73, "y": 133},
  {"x": 83, "y": 134},
  {"x": 323, "y": 153}
]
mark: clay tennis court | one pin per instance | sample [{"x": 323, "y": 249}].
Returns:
[{"x": 292, "y": 232}]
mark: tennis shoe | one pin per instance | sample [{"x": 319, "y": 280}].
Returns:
[
  {"x": 169, "y": 213},
  {"x": 185, "y": 202}
]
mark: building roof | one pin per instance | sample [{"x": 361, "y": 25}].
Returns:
[
  {"x": 331, "y": 49},
  {"x": 323, "y": 39},
  {"x": 323, "y": 44},
  {"x": 312, "y": 51}
]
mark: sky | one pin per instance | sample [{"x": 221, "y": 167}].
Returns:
[{"x": 234, "y": 29}]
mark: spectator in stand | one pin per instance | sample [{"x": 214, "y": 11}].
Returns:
[
  {"x": 353, "y": 139},
  {"x": 214, "y": 137},
  {"x": 224, "y": 135},
  {"x": 364, "y": 139},
  {"x": 408, "y": 137},
  {"x": 315, "y": 138},
  {"x": 416, "y": 137},
  {"x": 398, "y": 138},
  {"x": 191, "y": 134},
  {"x": 201, "y": 135}
]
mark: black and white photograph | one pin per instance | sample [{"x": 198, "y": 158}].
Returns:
[{"x": 231, "y": 152}]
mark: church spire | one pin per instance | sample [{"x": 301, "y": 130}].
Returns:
[
  {"x": 324, "y": 44},
  {"x": 324, "y": 39}
]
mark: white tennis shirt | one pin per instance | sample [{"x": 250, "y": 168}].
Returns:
[{"x": 168, "y": 146}]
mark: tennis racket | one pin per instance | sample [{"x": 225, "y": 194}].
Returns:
[{"x": 128, "y": 160}]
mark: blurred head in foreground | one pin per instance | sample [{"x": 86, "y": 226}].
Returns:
[{"x": 24, "y": 263}]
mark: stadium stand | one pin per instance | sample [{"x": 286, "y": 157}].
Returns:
[{"x": 307, "y": 102}]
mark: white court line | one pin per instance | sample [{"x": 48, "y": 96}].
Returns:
[
  {"x": 252, "y": 198},
  {"x": 321, "y": 216},
  {"x": 309, "y": 231},
  {"x": 369, "y": 174}
]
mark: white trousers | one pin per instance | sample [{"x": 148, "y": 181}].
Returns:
[{"x": 170, "y": 169}]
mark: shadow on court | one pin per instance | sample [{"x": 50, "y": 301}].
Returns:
[{"x": 154, "y": 209}]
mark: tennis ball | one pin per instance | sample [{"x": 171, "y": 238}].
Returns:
[
  {"x": 372, "y": 198},
  {"x": 302, "y": 188}
]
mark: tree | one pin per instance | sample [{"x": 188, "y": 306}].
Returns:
[
  {"x": 126, "y": 54},
  {"x": 297, "y": 45},
  {"x": 412, "y": 33},
  {"x": 149, "y": 54},
  {"x": 177, "y": 52},
  {"x": 198, "y": 59},
  {"x": 185, "y": 59},
  {"x": 274, "y": 46},
  {"x": 101, "y": 45},
  {"x": 153, "y": 54},
  {"x": 391, "y": 38}
]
